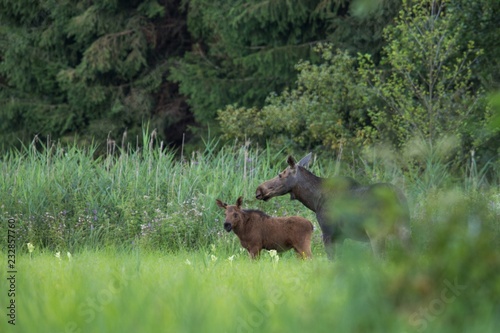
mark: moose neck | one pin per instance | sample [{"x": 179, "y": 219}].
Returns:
[{"x": 308, "y": 190}]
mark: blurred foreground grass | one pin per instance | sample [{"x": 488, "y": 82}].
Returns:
[{"x": 216, "y": 290}]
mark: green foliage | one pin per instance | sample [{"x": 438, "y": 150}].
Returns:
[
  {"x": 247, "y": 50},
  {"x": 62, "y": 197},
  {"x": 478, "y": 21},
  {"x": 87, "y": 68},
  {"x": 495, "y": 104},
  {"x": 325, "y": 110},
  {"x": 96, "y": 69},
  {"x": 425, "y": 82},
  {"x": 422, "y": 89}
]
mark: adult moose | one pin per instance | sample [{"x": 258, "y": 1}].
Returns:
[{"x": 344, "y": 208}]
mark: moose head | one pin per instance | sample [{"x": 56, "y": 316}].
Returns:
[
  {"x": 285, "y": 181},
  {"x": 234, "y": 215}
]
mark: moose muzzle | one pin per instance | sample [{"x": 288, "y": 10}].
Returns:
[{"x": 259, "y": 193}]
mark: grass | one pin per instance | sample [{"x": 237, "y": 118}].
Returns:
[
  {"x": 209, "y": 291},
  {"x": 63, "y": 198},
  {"x": 188, "y": 292},
  {"x": 148, "y": 251}
]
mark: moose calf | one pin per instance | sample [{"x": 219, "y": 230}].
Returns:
[{"x": 257, "y": 230}]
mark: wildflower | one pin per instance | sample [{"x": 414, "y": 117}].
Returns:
[
  {"x": 188, "y": 262},
  {"x": 69, "y": 255},
  {"x": 58, "y": 255},
  {"x": 274, "y": 255},
  {"x": 212, "y": 247},
  {"x": 31, "y": 247},
  {"x": 214, "y": 258},
  {"x": 231, "y": 258}
]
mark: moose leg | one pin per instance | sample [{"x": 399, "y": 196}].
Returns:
[
  {"x": 305, "y": 254},
  {"x": 303, "y": 249},
  {"x": 307, "y": 248},
  {"x": 327, "y": 242},
  {"x": 331, "y": 234},
  {"x": 404, "y": 235},
  {"x": 332, "y": 244},
  {"x": 378, "y": 246},
  {"x": 254, "y": 252}
]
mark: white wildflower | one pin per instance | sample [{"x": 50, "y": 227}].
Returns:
[
  {"x": 273, "y": 253},
  {"x": 31, "y": 247}
]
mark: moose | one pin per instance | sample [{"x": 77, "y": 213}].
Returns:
[
  {"x": 344, "y": 208},
  {"x": 257, "y": 230}
]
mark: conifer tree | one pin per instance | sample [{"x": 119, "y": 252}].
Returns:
[
  {"x": 244, "y": 50},
  {"x": 94, "y": 68},
  {"x": 98, "y": 68}
]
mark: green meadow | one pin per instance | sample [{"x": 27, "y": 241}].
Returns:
[{"x": 133, "y": 242}]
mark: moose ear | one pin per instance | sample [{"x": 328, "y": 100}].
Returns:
[
  {"x": 221, "y": 204},
  {"x": 239, "y": 202},
  {"x": 304, "y": 162},
  {"x": 291, "y": 161}
]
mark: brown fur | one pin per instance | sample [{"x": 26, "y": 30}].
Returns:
[{"x": 257, "y": 230}]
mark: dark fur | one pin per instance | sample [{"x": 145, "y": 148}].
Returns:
[{"x": 257, "y": 230}]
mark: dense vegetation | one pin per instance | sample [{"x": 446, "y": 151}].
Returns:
[
  {"x": 65, "y": 199},
  {"x": 136, "y": 240},
  {"x": 113, "y": 207},
  {"x": 214, "y": 291},
  {"x": 423, "y": 88},
  {"x": 102, "y": 69}
]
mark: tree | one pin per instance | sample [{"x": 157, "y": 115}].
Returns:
[
  {"x": 478, "y": 21},
  {"x": 92, "y": 68},
  {"x": 100, "y": 68},
  {"x": 325, "y": 110},
  {"x": 245, "y": 50},
  {"x": 424, "y": 87}
]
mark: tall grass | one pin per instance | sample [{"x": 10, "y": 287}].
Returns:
[
  {"x": 64, "y": 198},
  {"x": 148, "y": 252}
]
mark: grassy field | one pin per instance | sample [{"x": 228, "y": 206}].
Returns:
[
  {"x": 134, "y": 242},
  {"x": 209, "y": 291}
]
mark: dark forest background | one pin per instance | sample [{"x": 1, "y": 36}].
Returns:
[{"x": 324, "y": 75}]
